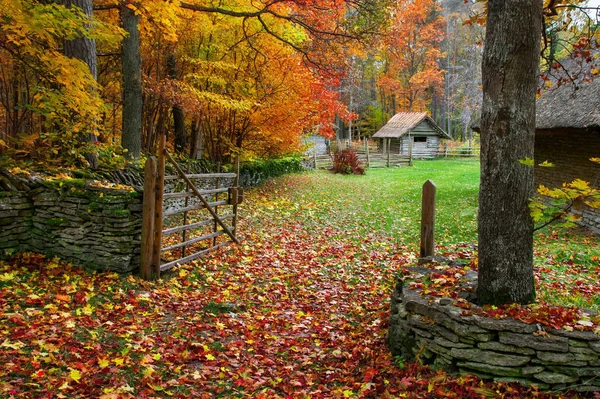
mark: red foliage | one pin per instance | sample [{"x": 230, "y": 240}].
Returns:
[{"x": 347, "y": 162}]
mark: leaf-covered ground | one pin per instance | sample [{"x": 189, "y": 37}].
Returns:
[{"x": 299, "y": 310}]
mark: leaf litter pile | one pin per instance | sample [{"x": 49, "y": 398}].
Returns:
[{"x": 299, "y": 310}]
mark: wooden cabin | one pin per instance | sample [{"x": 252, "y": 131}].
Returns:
[{"x": 411, "y": 131}]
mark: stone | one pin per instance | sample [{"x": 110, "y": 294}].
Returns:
[
  {"x": 497, "y": 346},
  {"x": 576, "y": 371},
  {"x": 450, "y": 344},
  {"x": 574, "y": 343},
  {"x": 490, "y": 357},
  {"x": 585, "y": 356},
  {"x": 553, "y": 357},
  {"x": 544, "y": 343},
  {"x": 512, "y": 325},
  {"x": 532, "y": 370},
  {"x": 595, "y": 345},
  {"x": 580, "y": 335},
  {"x": 422, "y": 333},
  {"x": 491, "y": 370},
  {"x": 585, "y": 351},
  {"x": 555, "y": 378}
]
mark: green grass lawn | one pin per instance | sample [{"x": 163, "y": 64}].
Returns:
[{"x": 388, "y": 202}]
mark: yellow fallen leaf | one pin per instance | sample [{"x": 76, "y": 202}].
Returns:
[
  {"x": 75, "y": 375},
  {"x": 103, "y": 363}
]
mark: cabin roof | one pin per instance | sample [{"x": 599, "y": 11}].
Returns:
[{"x": 403, "y": 122}]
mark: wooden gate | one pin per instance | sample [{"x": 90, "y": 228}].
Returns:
[{"x": 154, "y": 251}]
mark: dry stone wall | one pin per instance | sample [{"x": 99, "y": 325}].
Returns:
[
  {"x": 438, "y": 333},
  {"x": 94, "y": 227}
]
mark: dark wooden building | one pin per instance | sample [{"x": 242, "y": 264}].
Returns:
[{"x": 412, "y": 129}]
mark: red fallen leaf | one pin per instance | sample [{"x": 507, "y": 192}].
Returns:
[
  {"x": 369, "y": 375},
  {"x": 239, "y": 382}
]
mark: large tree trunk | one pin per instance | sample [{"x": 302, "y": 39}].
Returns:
[
  {"x": 510, "y": 72},
  {"x": 131, "y": 137},
  {"x": 84, "y": 49},
  {"x": 178, "y": 117}
]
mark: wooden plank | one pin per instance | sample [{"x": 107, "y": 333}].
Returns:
[
  {"x": 149, "y": 203},
  {"x": 428, "y": 219},
  {"x": 193, "y": 241},
  {"x": 192, "y": 257},
  {"x": 202, "y": 176},
  {"x": 191, "y": 226},
  {"x": 193, "y": 208},
  {"x": 208, "y": 207},
  {"x": 158, "y": 213},
  {"x": 187, "y": 194}
]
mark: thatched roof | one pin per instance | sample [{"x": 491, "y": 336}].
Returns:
[
  {"x": 402, "y": 122},
  {"x": 573, "y": 101},
  {"x": 569, "y": 106}
]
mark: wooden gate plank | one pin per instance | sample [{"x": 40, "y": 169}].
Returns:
[
  {"x": 206, "y": 204},
  {"x": 190, "y": 258}
]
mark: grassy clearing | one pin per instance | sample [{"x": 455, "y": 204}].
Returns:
[{"x": 388, "y": 202}]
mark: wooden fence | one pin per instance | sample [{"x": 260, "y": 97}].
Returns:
[
  {"x": 196, "y": 226},
  {"x": 373, "y": 156}
]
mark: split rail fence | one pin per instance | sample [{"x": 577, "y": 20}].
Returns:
[
  {"x": 374, "y": 157},
  {"x": 206, "y": 215}
]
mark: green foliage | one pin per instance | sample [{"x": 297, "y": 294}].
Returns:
[
  {"x": 557, "y": 204},
  {"x": 257, "y": 172},
  {"x": 346, "y": 162}
]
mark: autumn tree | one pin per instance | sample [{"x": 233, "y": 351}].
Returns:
[{"x": 412, "y": 52}]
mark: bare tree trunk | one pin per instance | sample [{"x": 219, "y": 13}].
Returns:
[
  {"x": 178, "y": 117},
  {"x": 510, "y": 71},
  {"x": 131, "y": 136},
  {"x": 84, "y": 49}
]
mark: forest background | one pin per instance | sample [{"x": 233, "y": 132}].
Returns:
[{"x": 87, "y": 82}]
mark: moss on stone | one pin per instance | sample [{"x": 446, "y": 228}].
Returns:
[{"x": 55, "y": 222}]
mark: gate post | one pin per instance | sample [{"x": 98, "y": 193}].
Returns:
[
  {"x": 149, "y": 204},
  {"x": 428, "y": 220},
  {"x": 158, "y": 210}
]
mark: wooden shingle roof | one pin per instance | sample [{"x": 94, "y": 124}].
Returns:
[{"x": 402, "y": 122}]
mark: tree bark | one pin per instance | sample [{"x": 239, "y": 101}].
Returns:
[
  {"x": 178, "y": 117},
  {"x": 84, "y": 49},
  {"x": 510, "y": 72},
  {"x": 131, "y": 136}
]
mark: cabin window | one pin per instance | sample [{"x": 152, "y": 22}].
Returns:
[{"x": 420, "y": 139}]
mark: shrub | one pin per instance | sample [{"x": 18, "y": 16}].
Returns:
[
  {"x": 256, "y": 172},
  {"x": 347, "y": 162}
]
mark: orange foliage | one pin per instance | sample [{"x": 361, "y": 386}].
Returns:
[{"x": 412, "y": 48}]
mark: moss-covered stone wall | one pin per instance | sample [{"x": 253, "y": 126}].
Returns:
[{"x": 90, "y": 225}]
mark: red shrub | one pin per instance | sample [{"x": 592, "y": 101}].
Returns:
[{"x": 347, "y": 162}]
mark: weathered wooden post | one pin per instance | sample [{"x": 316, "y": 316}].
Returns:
[
  {"x": 148, "y": 218},
  {"x": 367, "y": 150},
  {"x": 158, "y": 209},
  {"x": 410, "y": 151},
  {"x": 387, "y": 164},
  {"x": 428, "y": 220}
]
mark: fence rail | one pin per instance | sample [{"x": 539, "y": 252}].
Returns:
[{"x": 373, "y": 157}]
